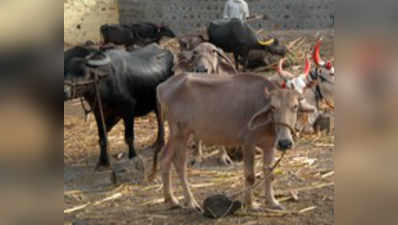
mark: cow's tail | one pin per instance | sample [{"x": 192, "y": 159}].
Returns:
[{"x": 161, "y": 111}]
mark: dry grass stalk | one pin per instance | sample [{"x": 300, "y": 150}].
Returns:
[
  {"x": 331, "y": 173},
  {"x": 76, "y": 208},
  {"x": 115, "y": 196},
  {"x": 307, "y": 209},
  {"x": 158, "y": 201}
]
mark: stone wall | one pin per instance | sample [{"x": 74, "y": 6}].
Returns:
[
  {"x": 82, "y": 19},
  {"x": 186, "y": 15}
]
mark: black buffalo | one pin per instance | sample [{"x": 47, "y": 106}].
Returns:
[
  {"x": 127, "y": 88},
  {"x": 130, "y": 34},
  {"x": 239, "y": 38}
]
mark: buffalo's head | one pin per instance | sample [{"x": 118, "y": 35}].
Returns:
[
  {"x": 165, "y": 30},
  {"x": 273, "y": 46},
  {"x": 80, "y": 73}
]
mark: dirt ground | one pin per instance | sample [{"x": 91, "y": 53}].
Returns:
[{"x": 306, "y": 172}]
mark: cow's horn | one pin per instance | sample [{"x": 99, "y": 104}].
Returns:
[
  {"x": 307, "y": 66},
  {"x": 284, "y": 74},
  {"x": 316, "y": 54},
  {"x": 100, "y": 62},
  {"x": 266, "y": 43}
]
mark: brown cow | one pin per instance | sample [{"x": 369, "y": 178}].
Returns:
[
  {"x": 242, "y": 110},
  {"x": 207, "y": 58},
  {"x": 189, "y": 42}
]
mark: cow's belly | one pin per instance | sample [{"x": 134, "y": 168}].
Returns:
[{"x": 217, "y": 130}]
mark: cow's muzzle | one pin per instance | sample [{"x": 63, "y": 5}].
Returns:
[
  {"x": 201, "y": 69},
  {"x": 284, "y": 144}
]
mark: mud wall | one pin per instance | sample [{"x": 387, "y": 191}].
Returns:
[{"x": 82, "y": 19}]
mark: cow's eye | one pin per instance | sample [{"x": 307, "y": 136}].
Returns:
[{"x": 295, "y": 108}]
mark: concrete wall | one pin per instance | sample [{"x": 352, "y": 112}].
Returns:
[
  {"x": 82, "y": 19},
  {"x": 185, "y": 15}
]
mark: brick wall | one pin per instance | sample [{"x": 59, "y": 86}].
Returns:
[
  {"x": 82, "y": 19},
  {"x": 184, "y": 15}
]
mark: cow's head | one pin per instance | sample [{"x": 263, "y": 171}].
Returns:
[
  {"x": 298, "y": 82},
  {"x": 280, "y": 112},
  {"x": 189, "y": 42},
  {"x": 81, "y": 73},
  {"x": 165, "y": 30},
  {"x": 273, "y": 46},
  {"x": 207, "y": 58}
]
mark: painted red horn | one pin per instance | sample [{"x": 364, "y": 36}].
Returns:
[
  {"x": 307, "y": 68},
  {"x": 316, "y": 54}
]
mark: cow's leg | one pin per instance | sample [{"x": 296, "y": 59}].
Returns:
[
  {"x": 224, "y": 158},
  {"x": 236, "y": 57},
  {"x": 268, "y": 157},
  {"x": 103, "y": 162},
  {"x": 137, "y": 162},
  {"x": 245, "y": 56},
  {"x": 197, "y": 153},
  {"x": 250, "y": 176},
  {"x": 165, "y": 166},
  {"x": 129, "y": 135},
  {"x": 160, "y": 138},
  {"x": 181, "y": 168}
]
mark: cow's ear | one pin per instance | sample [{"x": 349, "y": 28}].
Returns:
[
  {"x": 261, "y": 118},
  {"x": 226, "y": 67}
]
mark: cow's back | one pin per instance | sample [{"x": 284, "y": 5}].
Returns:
[
  {"x": 137, "y": 74},
  {"x": 215, "y": 108}
]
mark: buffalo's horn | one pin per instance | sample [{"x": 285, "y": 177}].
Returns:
[
  {"x": 266, "y": 43},
  {"x": 316, "y": 55},
  {"x": 100, "y": 62}
]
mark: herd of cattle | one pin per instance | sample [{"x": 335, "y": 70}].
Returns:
[{"x": 201, "y": 92}]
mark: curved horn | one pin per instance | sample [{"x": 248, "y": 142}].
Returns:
[
  {"x": 225, "y": 57},
  {"x": 100, "y": 62},
  {"x": 307, "y": 66},
  {"x": 316, "y": 55},
  {"x": 266, "y": 43},
  {"x": 284, "y": 74}
]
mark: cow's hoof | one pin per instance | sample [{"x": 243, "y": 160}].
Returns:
[
  {"x": 275, "y": 206},
  {"x": 172, "y": 203},
  {"x": 193, "y": 205},
  {"x": 101, "y": 166},
  {"x": 255, "y": 207},
  {"x": 225, "y": 160}
]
